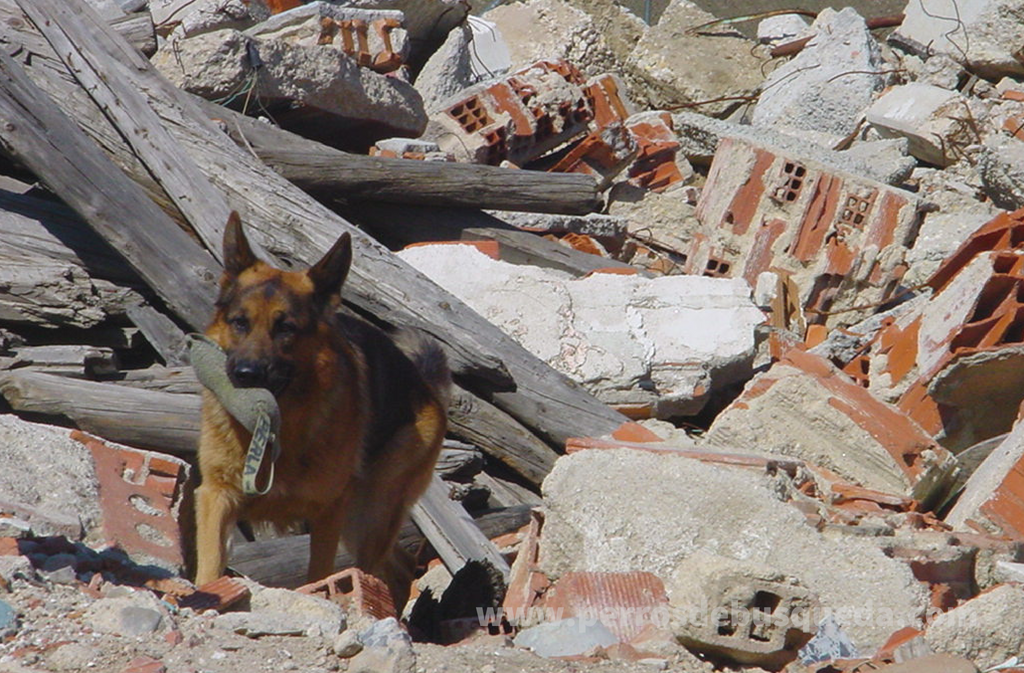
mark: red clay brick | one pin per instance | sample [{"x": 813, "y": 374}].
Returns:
[
  {"x": 625, "y": 602},
  {"x": 218, "y": 595},
  {"x": 144, "y": 664},
  {"x": 634, "y": 432},
  {"x": 356, "y": 590},
  {"x": 9, "y": 546},
  {"x": 526, "y": 583},
  {"x": 140, "y": 496}
]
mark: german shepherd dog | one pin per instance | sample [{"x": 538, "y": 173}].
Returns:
[{"x": 363, "y": 415}]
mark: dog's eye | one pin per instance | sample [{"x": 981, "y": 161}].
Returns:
[
  {"x": 240, "y": 324},
  {"x": 286, "y": 327}
]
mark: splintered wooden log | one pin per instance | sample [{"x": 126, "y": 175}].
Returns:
[
  {"x": 281, "y": 562},
  {"x": 293, "y": 226},
  {"x": 202, "y": 206},
  {"x": 42, "y": 137},
  {"x": 323, "y": 170}
]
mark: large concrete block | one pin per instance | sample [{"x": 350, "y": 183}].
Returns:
[
  {"x": 806, "y": 408},
  {"x": 929, "y": 117},
  {"x": 828, "y": 84},
  {"x": 664, "y": 343},
  {"x": 228, "y": 64},
  {"x": 625, "y": 510},
  {"x": 761, "y": 616},
  {"x": 983, "y": 34},
  {"x": 988, "y": 629}
]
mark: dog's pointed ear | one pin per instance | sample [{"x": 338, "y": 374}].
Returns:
[
  {"x": 329, "y": 273},
  {"x": 238, "y": 254}
]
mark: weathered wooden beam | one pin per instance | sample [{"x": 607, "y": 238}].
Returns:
[
  {"x": 143, "y": 418},
  {"x": 320, "y": 169},
  {"x": 137, "y": 28},
  {"x": 281, "y": 562},
  {"x": 42, "y": 137},
  {"x": 77, "y": 43},
  {"x": 452, "y": 532}
]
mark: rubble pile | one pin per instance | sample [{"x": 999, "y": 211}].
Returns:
[{"x": 736, "y": 328}]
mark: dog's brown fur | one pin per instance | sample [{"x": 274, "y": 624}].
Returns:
[{"x": 362, "y": 416}]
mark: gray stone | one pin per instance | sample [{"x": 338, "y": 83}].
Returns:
[
  {"x": 47, "y": 479},
  {"x": 623, "y": 510},
  {"x": 679, "y": 67},
  {"x": 982, "y": 34},
  {"x": 1002, "y": 172},
  {"x": 137, "y": 615},
  {"x": 699, "y": 135},
  {"x": 205, "y": 16},
  {"x": 665, "y": 342},
  {"x": 217, "y": 66},
  {"x": 387, "y": 648},
  {"x": 827, "y": 85},
  {"x": 14, "y": 568},
  {"x": 260, "y": 624},
  {"x": 565, "y": 637},
  {"x": 988, "y": 629},
  {"x": 347, "y": 644},
  {"x": 782, "y": 28},
  {"x": 315, "y": 615}
]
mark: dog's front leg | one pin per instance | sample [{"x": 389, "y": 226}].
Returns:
[
  {"x": 324, "y": 535},
  {"x": 216, "y": 512}
]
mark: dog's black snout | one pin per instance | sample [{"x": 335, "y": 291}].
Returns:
[{"x": 249, "y": 374}]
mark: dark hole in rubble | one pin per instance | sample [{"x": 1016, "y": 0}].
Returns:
[
  {"x": 1015, "y": 332},
  {"x": 766, "y": 601},
  {"x": 727, "y": 626}
]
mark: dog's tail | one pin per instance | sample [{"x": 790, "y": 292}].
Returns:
[{"x": 429, "y": 358}]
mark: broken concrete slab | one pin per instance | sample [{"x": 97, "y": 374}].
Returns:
[
  {"x": 931, "y": 118},
  {"x": 983, "y": 35},
  {"x": 206, "y": 16},
  {"x": 48, "y": 479},
  {"x": 227, "y": 63},
  {"x": 537, "y": 30},
  {"x": 826, "y": 87},
  {"x": 988, "y": 629},
  {"x": 449, "y": 70},
  {"x": 626, "y": 603},
  {"x": 662, "y": 343},
  {"x": 849, "y": 431},
  {"x": 306, "y": 614},
  {"x": 427, "y": 22},
  {"x": 889, "y": 156},
  {"x": 762, "y": 616},
  {"x": 1001, "y": 163},
  {"x": 374, "y": 38},
  {"x": 679, "y": 67},
  {"x": 625, "y": 510},
  {"x": 782, "y": 28},
  {"x": 992, "y": 498},
  {"x": 839, "y": 238}
]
